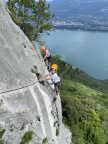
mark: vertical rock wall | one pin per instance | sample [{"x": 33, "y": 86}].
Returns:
[{"x": 25, "y": 104}]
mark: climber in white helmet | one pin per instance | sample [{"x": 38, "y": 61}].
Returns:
[{"x": 54, "y": 77}]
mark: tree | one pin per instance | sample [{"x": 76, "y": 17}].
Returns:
[{"x": 33, "y": 17}]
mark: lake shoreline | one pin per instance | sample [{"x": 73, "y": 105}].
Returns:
[{"x": 69, "y": 27}]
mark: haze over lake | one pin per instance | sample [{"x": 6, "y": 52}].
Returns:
[{"x": 84, "y": 49}]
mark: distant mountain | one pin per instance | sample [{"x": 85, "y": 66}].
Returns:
[
  {"x": 93, "y": 12},
  {"x": 73, "y": 7}
]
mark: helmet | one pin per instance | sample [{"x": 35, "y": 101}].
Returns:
[
  {"x": 43, "y": 48},
  {"x": 54, "y": 66}
]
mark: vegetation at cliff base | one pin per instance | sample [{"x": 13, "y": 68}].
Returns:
[
  {"x": 85, "y": 107},
  {"x": 45, "y": 140},
  {"x": 1, "y": 135},
  {"x": 28, "y": 136}
]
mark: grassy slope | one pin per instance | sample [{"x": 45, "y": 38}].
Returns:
[
  {"x": 78, "y": 103},
  {"x": 85, "y": 110}
]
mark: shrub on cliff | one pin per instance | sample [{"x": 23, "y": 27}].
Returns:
[{"x": 33, "y": 17}]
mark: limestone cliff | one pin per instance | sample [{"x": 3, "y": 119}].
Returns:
[{"x": 25, "y": 104}]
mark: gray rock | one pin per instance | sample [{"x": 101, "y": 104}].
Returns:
[{"x": 25, "y": 105}]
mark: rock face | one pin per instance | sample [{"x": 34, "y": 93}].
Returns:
[{"x": 25, "y": 104}]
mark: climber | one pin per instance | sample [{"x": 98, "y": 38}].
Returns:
[
  {"x": 54, "y": 77},
  {"x": 47, "y": 56}
]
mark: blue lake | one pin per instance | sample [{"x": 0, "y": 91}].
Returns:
[{"x": 84, "y": 49}]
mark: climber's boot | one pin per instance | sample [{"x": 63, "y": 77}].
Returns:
[
  {"x": 54, "y": 99},
  {"x": 49, "y": 69}
]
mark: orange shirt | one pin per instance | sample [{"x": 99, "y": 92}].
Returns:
[{"x": 47, "y": 53}]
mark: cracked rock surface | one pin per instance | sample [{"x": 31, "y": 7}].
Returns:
[{"x": 25, "y": 104}]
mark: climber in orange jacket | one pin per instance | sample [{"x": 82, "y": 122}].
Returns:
[
  {"x": 54, "y": 77},
  {"x": 47, "y": 56}
]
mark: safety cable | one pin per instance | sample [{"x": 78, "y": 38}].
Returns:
[{"x": 7, "y": 91}]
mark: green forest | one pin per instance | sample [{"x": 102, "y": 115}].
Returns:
[{"x": 84, "y": 104}]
